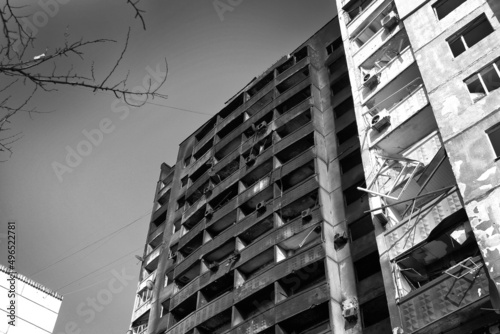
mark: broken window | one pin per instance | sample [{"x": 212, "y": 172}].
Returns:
[
  {"x": 374, "y": 311},
  {"x": 352, "y": 194},
  {"x": 470, "y": 35},
  {"x": 350, "y": 161},
  {"x": 217, "y": 288},
  {"x": 205, "y": 130},
  {"x": 232, "y": 106},
  {"x": 294, "y": 100},
  {"x": 334, "y": 45},
  {"x": 494, "y": 136},
  {"x": 338, "y": 65},
  {"x": 347, "y": 133},
  {"x": 300, "y": 280},
  {"x": 180, "y": 202},
  {"x": 450, "y": 245},
  {"x": 202, "y": 150},
  {"x": 295, "y": 149},
  {"x": 261, "y": 84},
  {"x": 485, "y": 81},
  {"x": 354, "y": 8},
  {"x": 360, "y": 227},
  {"x": 367, "y": 266},
  {"x": 340, "y": 84},
  {"x": 293, "y": 80},
  {"x": 445, "y": 7},
  {"x": 301, "y": 54},
  {"x": 294, "y": 124},
  {"x": 224, "y": 197},
  {"x": 237, "y": 121},
  {"x": 344, "y": 107},
  {"x": 254, "y": 304},
  {"x": 314, "y": 320},
  {"x": 219, "y": 323}
]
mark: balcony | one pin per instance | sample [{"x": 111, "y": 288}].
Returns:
[
  {"x": 407, "y": 234},
  {"x": 302, "y": 139},
  {"x": 260, "y": 136},
  {"x": 197, "y": 206},
  {"x": 370, "y": 13},
  {"x": 291, "y": 70},
  {"x": 151, "y": 259},
  {"x": 390, "y": 70},
  {"x": 192, "y": 233},
  {"x": 206, "y": 133},
  {"x": 154, "y": 233},
  {"x": 278, "y": 271},
  {"x": 256, "y": 324},
  {"x": 302, "y": 302},
  {"x": 410, "y": 120},
  {"x": 164, "y": 194},
  {"x": 203, "y": 314},
  {"x": 376, "y": 42},
  {"x": 141, "y": 309},
  {"x": 429, "y": 308},
  {"x": 295, "y": 193},
  {"x": 150, "y": 277}
]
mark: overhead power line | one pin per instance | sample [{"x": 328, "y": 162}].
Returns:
[
  {"x": 93, "y": 271},
  {"x": 92, "y": 243},
  {"x": 165, "y": 106}
]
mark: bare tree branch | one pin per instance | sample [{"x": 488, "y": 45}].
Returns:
[{"x": 56, "y": 68}]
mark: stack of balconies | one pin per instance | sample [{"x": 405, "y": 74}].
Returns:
[
  {"x": 413, "y": 194},
  {"x": 250, "y": 213}
]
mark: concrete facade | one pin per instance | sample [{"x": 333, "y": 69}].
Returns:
[
  {"x": 427, "y": 101},
  {"x": 259, "y": 227}
]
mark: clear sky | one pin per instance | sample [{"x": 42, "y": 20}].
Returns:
[{"x": 211, "y": 57}]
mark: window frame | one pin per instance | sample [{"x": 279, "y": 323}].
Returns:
[
  {"x": 459, "y": 35},
  {"x": 481, "y": 80},
  {"x": 440, "y": 3}
]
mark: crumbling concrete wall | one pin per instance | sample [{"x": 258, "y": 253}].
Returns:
[{"x": 461, "y": 121}]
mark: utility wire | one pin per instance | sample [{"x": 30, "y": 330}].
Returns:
[
  {"x": 181, "y": 109},
  {"x": 93, "y": 271},
  {"x": 92, "y": 243},
  {"x": 93, "y": 284},
  {"x": 163, "y": 105}
]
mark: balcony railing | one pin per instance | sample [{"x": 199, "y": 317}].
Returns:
[
  {"x": 375, "y": 42},
  {"x": 414, "y": 230},
  {"x": 199, "y": 316},
  {"x": 400, "y": 113},
  {"x": 442, "y": 297},
  {"x": 278, "y": 271},
  {"x": 390, "y": 71},
  {"x": 302, "y": 302},
  {"x": 153, "y": 255}
]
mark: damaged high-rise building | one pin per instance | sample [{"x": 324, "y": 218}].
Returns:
[
  {"x": 350, "y": 188},
  {"x": 425, "y": 78}
]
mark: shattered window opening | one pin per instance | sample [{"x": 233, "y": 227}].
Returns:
[
  {"x": 469, "y": 36},
  {"x": 484, "y": 82},
  {"x": 436, "y": 256}
]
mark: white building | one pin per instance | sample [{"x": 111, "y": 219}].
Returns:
[{"x": 36, "y": 307}]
